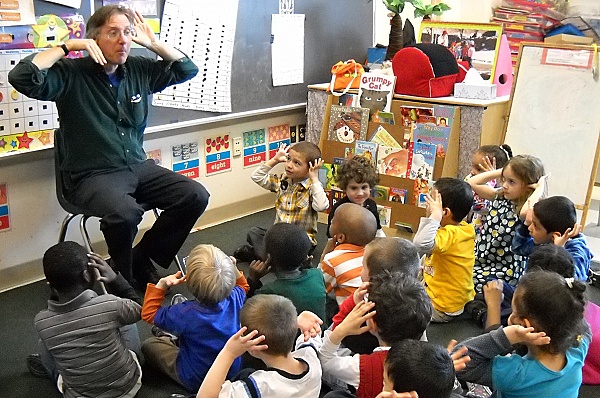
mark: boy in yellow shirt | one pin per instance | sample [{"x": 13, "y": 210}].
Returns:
[{"x": 449, "y": 243}]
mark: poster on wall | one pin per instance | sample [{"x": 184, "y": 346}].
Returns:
[
  {"x": 205, "y": 31},
  {"x": 217, "y": 152},
  {"x": 4, "y": 213},
  {"x": 185, "y": 159},
  {"x": 255, "y": 147},
  {"x": 278, "y": 135}
]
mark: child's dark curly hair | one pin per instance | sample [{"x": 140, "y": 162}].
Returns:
[{"x": 359, "y": 169}]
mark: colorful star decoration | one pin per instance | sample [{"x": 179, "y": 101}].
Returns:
[
  {"x": 2, "y": 143},
  {"x": 49, "y": 30},
  {"x": 24, "y": 141},
  {"x": 44, "y": 138}
]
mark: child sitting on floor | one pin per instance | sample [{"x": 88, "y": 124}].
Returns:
[
  {"x": 548, "y": 319},
  {"x": 89, "y": 344},
  {"x": 554, "y": 220},
  {"x": 202, "y": 325},
  {"x": 353, "y": 227},
  {"x": 287, "y": 247},
  {"x": 299, "y": 194},
  {"x": 272, "y": 324},
  {"x": 356, "y": 177},
  {"x": 449, "y": 243},
  {"x": 381, "y": 255},
  {"x": 418, "y": 367},
  {"x": 402, "y": 310}
]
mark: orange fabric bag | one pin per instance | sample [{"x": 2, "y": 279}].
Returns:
[{"x": 344, "y": 76}]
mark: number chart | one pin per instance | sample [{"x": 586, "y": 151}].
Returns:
[{"x": 205, "y": 32}]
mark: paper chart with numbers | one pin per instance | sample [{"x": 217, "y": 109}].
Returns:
[{"x": 205, "y": 31}]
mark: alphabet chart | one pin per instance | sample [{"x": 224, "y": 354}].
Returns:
[{"x": 205, "y": 31}]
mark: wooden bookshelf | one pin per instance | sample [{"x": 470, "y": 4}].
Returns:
[{"x": 407, "y": 214}]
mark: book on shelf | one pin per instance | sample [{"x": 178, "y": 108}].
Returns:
[
  {"x": 437, "y": 136},
  {"x": 385, "y": 215},
  {"x": 347, "y": 124},
  {"x": 335, "y": 196},
  {"x": 380, "y": 192},
  {"x": 398, "y": 195},
  {"x": 392, "y": 161},
  {"x": 420, "y": 190},
  {"x": 376, "y": 91},
  {"x": 348, "y": 99},
  {"x": 382, "y": 137},
  {"x": 423, "y": 160},
  {"x": 367, "y": 149},
  {"x": 383, "y": 117},
  {"x": 327, "y": 174}
]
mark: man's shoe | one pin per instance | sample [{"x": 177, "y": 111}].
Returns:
[
  {"x": 36, "y": 367},
  {"x": 245, "y": 253}
]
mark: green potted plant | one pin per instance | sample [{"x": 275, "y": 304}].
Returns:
[{"x": 396, "y": 41}]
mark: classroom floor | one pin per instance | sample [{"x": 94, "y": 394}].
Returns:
[{"x": 19, "y": 306}]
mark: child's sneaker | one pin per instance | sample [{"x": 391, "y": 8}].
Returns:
[
  {"x": 158, "y": 332},
  {"x": 178, "y": 298},
  {"x": 36, "y": 367}
]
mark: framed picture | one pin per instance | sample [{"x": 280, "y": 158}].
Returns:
[{"x": 475, "y": 43}]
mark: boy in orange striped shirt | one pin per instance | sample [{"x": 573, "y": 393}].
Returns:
[{"x": 352, "y": 228}]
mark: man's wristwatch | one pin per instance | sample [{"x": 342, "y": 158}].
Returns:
[{"x": 64, "y": 48}]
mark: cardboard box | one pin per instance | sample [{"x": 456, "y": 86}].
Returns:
[
  {"x": 568, "y": 39},
  {"x": 481, "y": 92}
]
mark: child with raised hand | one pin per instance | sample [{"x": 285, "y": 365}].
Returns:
[
  {"x": 273, "y": 326},
  {"x": 554, "y": 220},
  {"x": 552, "y": 258},
  {"x": 356, "y": 177},
  {"x": 299, "y": 193},
  {"x": 287, "y": 247},
  {"x": 89, "y": 344},
  {"x": 402, "y": 310},
  {"x": 486, "y": 158},
  {"x": 381, "y": 255},
  {"x": 202, "y": 325},
  {"x": 494, "y": 258},
  {"x": 548, "y": 319},
  {"x": 449, "y": 243},
  {"x": 353, "y": 227}
]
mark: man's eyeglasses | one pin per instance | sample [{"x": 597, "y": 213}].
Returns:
[{"x": 115, "y": 34}]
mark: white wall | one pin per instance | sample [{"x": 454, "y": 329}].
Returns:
[{"x": 36, "y": 216}]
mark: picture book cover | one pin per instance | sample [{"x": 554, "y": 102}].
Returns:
[
  {"x": 421, "y": 188},
  {"x": 382, "y": 137},
  {"x": 443, "y": 114},
  {"x": 385, "y": 215},
  {"x": 432, "y": 134},
  {"x": 367, "y": 149},
  {"x": 335, "y": 196},
  {"x": 398, "y": 195},
  {"x": 380, "y": 192},
  {"x": 392, "y": 161},
  {"x": 383, "y": 117},
  {"x": 416, "y": 114},
  {"x": 376, "y": 91},
  {"x": 348, "y": 124},
  {"x": 348, "y": 99},
  {"x": 423, "y": 160},
  {"x": 327, "y": 174}
]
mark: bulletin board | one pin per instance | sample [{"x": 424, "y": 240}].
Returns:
[{"x": 555, "y": 115}]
